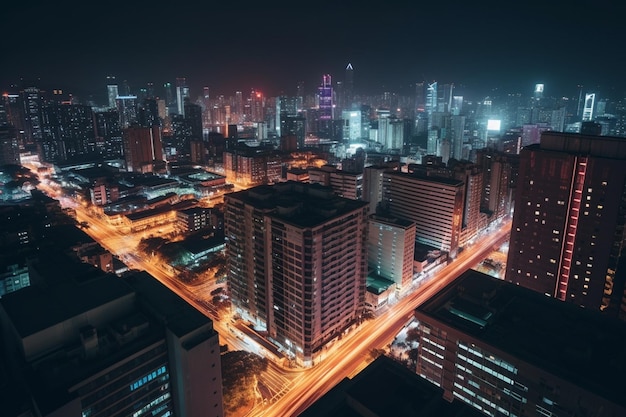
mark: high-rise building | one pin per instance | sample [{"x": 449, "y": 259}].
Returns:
[
  {"x": 568, "y": 235},
  {"x": 68, "y": 132},
  {"x": 588, "y": 108},
  {"x": 9, "y": 146},
  {"x": 457, "y": 136},
  {"x": 143, "y": 148},
  {"x": 373, "y": 186},
  {"x": 182, "y": 94},
  {"x": 348, "y": 87},
  {"x": 297, "y": 262},
  {"x": 347, "y": 184},
  {"x": 325, "y": 110},
  {"x": 90, "y": 343},
  {"x": 531, "y": 133},
  {"x": 351, "y": 125},
  {"x": 250, "y": 166},
  {"x": 499, "y": 172},
  {"x": 257, "y": 106},
  {"x": 434, "y": 203},
  {"x": 509, "y": 351},
  {"x": 112, "y": 91},
  {"x": 294, "y": 126},
  {"x": 127, "y": 110},
  {"x": 391, "y": 246},
  {"x": 33, "y": 101},
  {"x": 109, "y": 133}
]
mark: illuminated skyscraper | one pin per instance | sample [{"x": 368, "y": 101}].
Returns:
[
  {"x": 432, "y": 145},
  {"x": 112, "y": 91},
  {"x": 568, "y": 238},
  {"x": 325, "y": 96},
  {"x": 296, "y": 256},
  {"x": 590, "y": 100},
  {"x": 33, "y": 102},
  {"x": 127, "y": 110},
  {"x": 391, "y": 247},
  {"x": 257, "y": 106},
  {"x": 182, "y": 94},
  {"x": 9, "y": 147},
  {"x": 143, "y": 149},
  {"x": 348, "y": 87},
  {"x": 68, "y": 132},
  {"x": 434, "y": 203},
  {"x": 538, "y": 94}
]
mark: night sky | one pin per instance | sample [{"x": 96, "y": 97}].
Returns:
[{"x": 230, "y": 45}]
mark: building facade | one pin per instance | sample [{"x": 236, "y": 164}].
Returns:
[
  {"x": 509, "y": 351},
  {"x": 435, "y": 204},
  {"x": 390, "y": 249},
  {"x": 111, "y": 353},
  {"x": 568, "y": 235},
  {"x": 143, "y": 148},
  {"x": 296, "y": 261}
]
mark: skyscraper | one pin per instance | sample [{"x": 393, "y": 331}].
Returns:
[
  {"x": 9, "y": 147},
  {"x": 68, "y": 132},
  {"x": 348, "y": 87},
  {"x": 127, "y": 110},
  {"x": 88, "y": 343},
  {"x": 296, "y": 256},
  {"x": 143, "y": 148},
  {"x": 182, "y": 94},
  {"x": 112, "y": 91},
  {"x": 568, "y": 235},
  {"x": 509, "y": 351},
  {"x": 325, "y": 96},
  {"x": 391, "y": 246},
  {"x": 588, "y": 108},
  {"x": 434, "y": 203}
]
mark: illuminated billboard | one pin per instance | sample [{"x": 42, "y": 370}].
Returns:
[{"x": 493, "y": 125}]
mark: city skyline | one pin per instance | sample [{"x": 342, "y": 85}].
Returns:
[{"x": 238, "y": 47}]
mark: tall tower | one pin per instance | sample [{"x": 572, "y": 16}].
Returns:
[
  {"x": 9, "y": 146},
  {"x": 568, "y": 235},
  {"x": 112, "y": 91},
  {"x": 435, "y": 204},
  {"x": 33, "y": 102},
  {"x": 325, "y": 94},
  {"x": 590, "y": 101},
  {"x": 296, "y": 256},
  {"x": 143, "y": 148},
  {"x": 182, "y": 93},
  {"x": 349, "y": 87}
]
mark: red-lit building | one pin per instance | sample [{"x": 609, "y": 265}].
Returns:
[
  {"x": 143, "y": 149},
  {"x": 568, "y": 234}
]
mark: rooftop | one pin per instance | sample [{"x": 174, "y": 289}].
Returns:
[
  {"x": 571, "y": 342},
  {"x": 300, "y": 204},
  {"x": 387, "y": 389}
]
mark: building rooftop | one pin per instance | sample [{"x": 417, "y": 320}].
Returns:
[
  {"x": 573, "y": 343},
  {"x": 394, "y": 221},
  {"x": 66, "y": 291},
  {"x": 180, "y": 317},
  {"x": 300, "y": 204},
  {"x": 387, "y": 389},
  {"x": 377, "y": 284},
  {"x": 429, "y": 178}
]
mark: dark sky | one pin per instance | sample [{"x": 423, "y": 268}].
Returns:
[{"x": 237, "y": 45}]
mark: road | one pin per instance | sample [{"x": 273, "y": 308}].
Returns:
[
  {"x": 353, "y": 354},
  {"x": 289, "y": 391}
]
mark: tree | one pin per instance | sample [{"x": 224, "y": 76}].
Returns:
[{"x": 239, "y": 371}]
